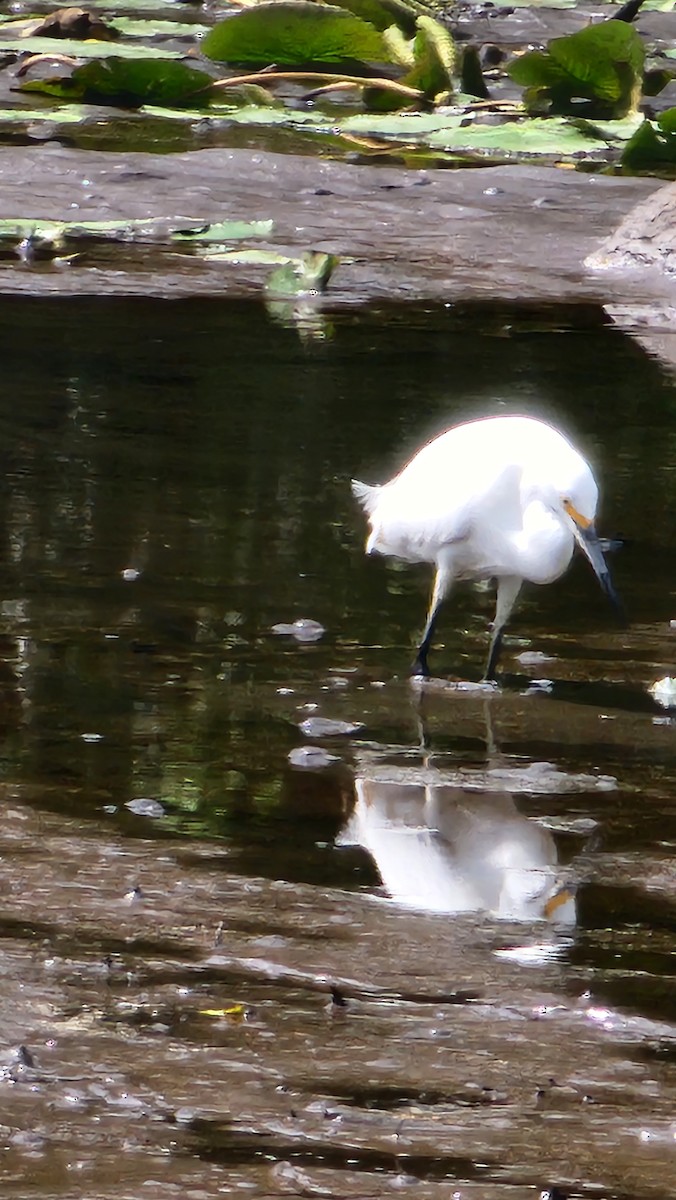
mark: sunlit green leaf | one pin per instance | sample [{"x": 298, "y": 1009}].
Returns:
[
  {"x": 399, "y": 48},
  {"x": 384, "y": 13},
  {"x": 653, "y": 145},
  {"x": 601, "y": 64},
  {"x": 129, "y": 82},
  {"x": 307, "y": 275},
  {"x": 434, "y": 54},
  {"x": 294, "y": 32}
]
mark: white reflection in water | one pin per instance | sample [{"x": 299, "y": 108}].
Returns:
[{"x": 441, "y": 848}]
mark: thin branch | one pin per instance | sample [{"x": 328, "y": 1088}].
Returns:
[
  {"x": 354, "y": 81},
  {"x": 346, "y": 86},
  {"x": 37, "y": 58},
  {"x": 493, "y": 106}
]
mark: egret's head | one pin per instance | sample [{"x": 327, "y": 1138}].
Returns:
[{"x": 578, "y": 493}]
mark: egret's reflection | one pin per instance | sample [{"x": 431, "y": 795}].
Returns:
[{"x": 445, "y": 849}]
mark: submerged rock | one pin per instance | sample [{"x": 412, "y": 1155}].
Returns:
[
  {"x": 144, "y": 806},
  {"x": 303, "y": 630},
  {"x": 645, "y": 238},
  {"x": 320, "y": 727},
  {"x": 311, "y": 758}
]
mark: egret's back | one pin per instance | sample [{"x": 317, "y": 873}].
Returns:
[{"x": 468, "y": 480}]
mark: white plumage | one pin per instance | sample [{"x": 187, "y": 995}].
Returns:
[{"x": 503, "y": 497}]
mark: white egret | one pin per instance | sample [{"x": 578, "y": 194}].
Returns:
[{"x": 503, "y": 498}]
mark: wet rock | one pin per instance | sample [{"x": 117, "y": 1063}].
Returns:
[
  {"x": 537, "y": 253},
  {"x": 75, "y": 23},
  {"x": 533, "y": 658},
  {"x": 321, "y": 727},
  {"x": 144, "y": 806},
  {"x": 303, "y": 630},
  {"x": 311, "y": 758},
  {"x": 541, "y": 685},
  {"x": 468, "y": 686},
  {"x": 645, "y": 238}
]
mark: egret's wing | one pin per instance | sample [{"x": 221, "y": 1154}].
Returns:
[{"x": 429, "y": 507}]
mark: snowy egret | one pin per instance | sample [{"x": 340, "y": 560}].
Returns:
[{"x": 502, "y": 497}]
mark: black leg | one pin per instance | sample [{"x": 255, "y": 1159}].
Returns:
[
  {"x": 420, "y": 666},
  {"x": 493, "y": 656},
  {"x": 509, "y": 587},
  {"x": 442, "y": 581}
]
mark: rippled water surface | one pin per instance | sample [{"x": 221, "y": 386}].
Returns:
[{"x": 432, "y": 954}]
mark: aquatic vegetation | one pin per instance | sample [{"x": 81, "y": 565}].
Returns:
[{"x": 381, "y": 76}]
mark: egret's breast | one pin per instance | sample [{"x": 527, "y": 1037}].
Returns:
[{"x": 544, "y": 546}]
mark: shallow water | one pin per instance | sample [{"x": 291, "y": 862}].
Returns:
[{"x": 175, "y": 483}]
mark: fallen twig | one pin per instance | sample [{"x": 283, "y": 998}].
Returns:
[
  {"x": 66, "y": 59},
  {"x": 329, "y": 79}
]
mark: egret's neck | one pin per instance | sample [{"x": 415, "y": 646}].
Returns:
[{"x": 544, "y": 544}]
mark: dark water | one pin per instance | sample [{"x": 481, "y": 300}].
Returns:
[{"x": 175, "y": 481}]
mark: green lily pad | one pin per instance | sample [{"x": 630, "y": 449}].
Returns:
[
  {"x": 225, "y": 231},
  {"x": 248, "y": 115},
  {"x": 65, "y": 114},
  {"x": 128, "y": 82},
  {"x": 293, "y": 32},
  {"x": 255, "y": 258},
  {"x": 550, "y": 136},
  {"x": 76, "y": 49},
  {"x": 57, "y": 233},
  {"x": 524, "y": 138},
  {"x": 556, "y": 137},
  {"x": 140, "y": 28},
  {"x": 602, "y": 64}
]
